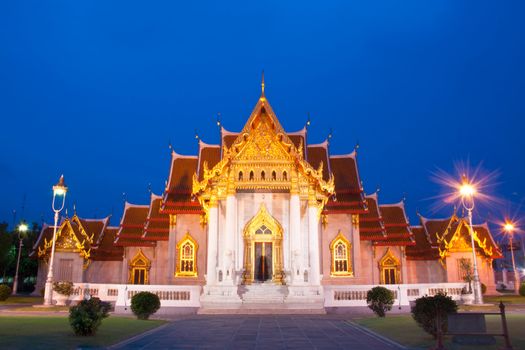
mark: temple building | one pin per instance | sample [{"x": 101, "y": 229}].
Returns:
[{"x": 265, "y": 215}]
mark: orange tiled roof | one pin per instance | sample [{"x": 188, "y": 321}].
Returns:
[
  {"x": 157, "y": 227},
  {"x": 370, "y": 223}
]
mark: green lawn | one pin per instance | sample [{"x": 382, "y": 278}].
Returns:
[
  {"x": 22, "y": 300},
  {"x": 404, "y": 330},
  {"x": 26, "y": 332}
]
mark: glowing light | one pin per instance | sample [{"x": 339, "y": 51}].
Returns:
[
  {"x": 464, "y": 184},
  {"x": 60, "y": 188},
  {"x": 23, "y": 228},
  {"x": 509, "y": 227},
  {"x": 467, "y": 190}
]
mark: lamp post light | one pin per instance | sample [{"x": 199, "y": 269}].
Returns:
[
  {"x": 509, "y": 228},
  {"x": 467, "y": 192},
  {"x": 59, "y": 192},
  {"x": 22, "y": 230}
]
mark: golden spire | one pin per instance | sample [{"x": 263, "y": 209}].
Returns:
[{"x": 262, "y": 85}]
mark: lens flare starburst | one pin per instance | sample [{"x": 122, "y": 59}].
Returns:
[{"x": 464, "y": 184}]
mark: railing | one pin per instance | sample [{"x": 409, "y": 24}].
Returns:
[
  {"x": 121, "y": 294},
  {"x": 403, "y": 293}
]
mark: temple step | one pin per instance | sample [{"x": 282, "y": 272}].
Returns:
[{"x": 263, "y": 294}]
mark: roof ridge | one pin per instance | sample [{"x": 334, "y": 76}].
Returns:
[
  {"x": 347, "y": 155},
  {"x": 175, "y": 155}
]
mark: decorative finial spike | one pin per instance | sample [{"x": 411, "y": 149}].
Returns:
[
  {"x": 74, "y": 209},
  {"x": 149, "y": 188},
  {"x": 197, "y": 136},
  {"x": 308, "y": 122},
  {"x": 219, "y": 119},
  {"x": 262, "y": 84}
]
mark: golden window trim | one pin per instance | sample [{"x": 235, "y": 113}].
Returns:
[
  {"x": 341, "y": 239},
  {"x": 183, "y": 259},
  {"x": 139, "y": 262},
  {"x": 390, "y": 261}
]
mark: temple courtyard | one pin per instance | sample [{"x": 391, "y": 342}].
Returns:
[{"x": 24, "y": 326}]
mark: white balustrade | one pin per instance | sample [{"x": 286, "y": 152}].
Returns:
[{"x": 345, "y": 296}]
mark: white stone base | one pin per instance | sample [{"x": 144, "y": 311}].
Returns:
[{"x": 220, "y": 297}]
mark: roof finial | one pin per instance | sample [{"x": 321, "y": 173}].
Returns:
[
  {"x": 74, "y": 209},
  {"x": 308, "y": 121},
  {"x": 329, "y": 137},
  {"x": 197, "y": 136},
  {"x": 262, "y": 84}
]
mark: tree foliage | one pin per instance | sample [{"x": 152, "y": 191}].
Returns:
[
  {"x": 380, "y": 300},
  {"x": 144, "y": 304},
  {"x": 427, "y": 308}
]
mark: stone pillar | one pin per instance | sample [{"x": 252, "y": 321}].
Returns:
[
  {"x": 172, "y": 247},
  {"x": 213, "y": 232},
  {"x": 229, "y": 239},
  {"x": 356, "y": 246},
  {"x": 314, "y": 277},
  {"x": 296, "y": 252},
  {"x": 404, "y": 274}
]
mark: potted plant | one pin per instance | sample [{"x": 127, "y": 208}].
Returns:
[
  {"x": 63, "y": 289},
  {"x": 467, "y": 297}
]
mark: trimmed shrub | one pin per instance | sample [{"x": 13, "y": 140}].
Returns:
[
  {"x": 380, "y": 300},
  {"x": 5, "y": 292},
  {"x": 86, "y": 317},
  {"x": 144, "y": 304},
  {"x": 522, "y": 289},
  {"x": 483, "y": 288},
  {"x": 426, "y": 309}
]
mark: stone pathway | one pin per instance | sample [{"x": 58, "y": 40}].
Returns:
[{"x": 258, "y": 332}]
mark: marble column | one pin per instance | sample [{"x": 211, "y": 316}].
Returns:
[
  {"x": 314, "y": 277},
  {"x": 229, "y": 239},
  {"x": 172, "y": 245},
  {"x": 213, "y": 232},
  {"x": 296, "y": 253},
  {"x": 356, "y": 246}
]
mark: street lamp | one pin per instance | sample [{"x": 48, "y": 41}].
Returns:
[
  {"x": 22, "y": 230},
  {"x": 59, "y": 192},
  {"x": 467, "y": 192},
  {"x": 510, "y": 228}
]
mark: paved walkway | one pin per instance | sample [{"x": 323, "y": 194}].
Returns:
[{"x": 258, "y": 332}]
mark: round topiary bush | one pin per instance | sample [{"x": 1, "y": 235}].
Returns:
[
  {"x": 426, "y": 309},
  {"x": 483, "y": 288},
  {"x": 522, "y": 289},
  {"x": 5, "y": 292},
  {"x": 144, "y": 304},
  {"x": 86, "y": 317},
  {"x": 380, "y": 300}
]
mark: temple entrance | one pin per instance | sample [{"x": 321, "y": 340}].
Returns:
[
  {"x": 263, "y": 261},
  {"x": 263, "y": 249}
]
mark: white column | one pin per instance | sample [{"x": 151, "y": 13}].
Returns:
[
  {"x": 404, "y": 274},
  {"x": 172, "y": 245},
  {"x": 314, "y": 277},
  {"x": 213, "y": 232},
  {"x": 356, "y": 245},
  {"x": 229, "y": 239},
  {"x": 296, "y": 252}
]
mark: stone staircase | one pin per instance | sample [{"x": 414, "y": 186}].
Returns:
[{"x": 263, "y": 293}]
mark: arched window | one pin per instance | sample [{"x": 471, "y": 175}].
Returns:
[
  {"x": 274, "y": 175},
  {"x": 263, "y": 175},
  {"x": 341, "y": 249},
  {"x": 139, "y": 269},
  {"x": 187, "y": 257},
  {"x": 285, "y": 176},
  {"x": 251, "y": 175},
  {"x": 390, "y": 268},
  {"x": 240, "y": 175}
]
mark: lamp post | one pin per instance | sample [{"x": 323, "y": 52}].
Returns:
[
  {"x": 59, "y": 191},
  {"x": 22, "y": 229},
  {"x": 509, "y": 228},
  {"x": 467, "y": 191}
]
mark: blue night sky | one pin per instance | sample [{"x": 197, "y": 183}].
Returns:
[{"x": 97, "y": 89}]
